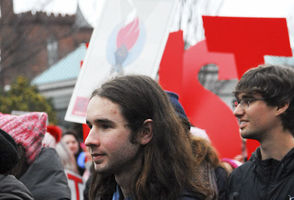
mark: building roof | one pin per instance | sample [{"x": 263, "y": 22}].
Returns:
[{"x": 65, "y": 69}]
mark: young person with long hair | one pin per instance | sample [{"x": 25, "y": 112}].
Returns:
[{"x": 138, "y": 145}]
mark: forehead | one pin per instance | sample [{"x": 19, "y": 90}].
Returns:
[
  {"x": 103, "y": 108},
  {"x": 69, "y": 138}
]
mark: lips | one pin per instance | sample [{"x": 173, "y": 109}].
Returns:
[
  {"x": 242, "y": 123},
  {"x": 97, "y": 157}
]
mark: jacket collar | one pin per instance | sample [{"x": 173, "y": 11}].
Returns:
[{"x": 271, "y": 168}]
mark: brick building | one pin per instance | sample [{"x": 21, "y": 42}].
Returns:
[{"x": 31, "y": 42}]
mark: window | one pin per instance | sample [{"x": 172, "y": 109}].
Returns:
[{"x": 52, "y": 50}]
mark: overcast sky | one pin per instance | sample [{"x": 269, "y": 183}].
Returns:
[
  {"x": 258, "y": 8},
  {"x": 54, "y": 6},
  {"x": 91, "y": 8}
]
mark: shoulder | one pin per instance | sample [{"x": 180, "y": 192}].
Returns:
[
  {"x": 241, "y": 173},
  {"x": 221, "y": 181},
  {"x": 47, "y": 171},
  {"x": 221, "y": 173},
  {"x": 11, "y": 188},
  {"x": 244, "y": 168},
  {"x": 240, "y": 176}
]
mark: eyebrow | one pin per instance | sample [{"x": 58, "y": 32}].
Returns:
[
  {"x": 245, "y": 96},
  {"x": 99, "y": 121}
]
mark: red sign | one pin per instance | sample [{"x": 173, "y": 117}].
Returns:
[{"x": 234, "y": 44}]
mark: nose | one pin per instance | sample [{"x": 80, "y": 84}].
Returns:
[
  {"x": 92, "y": 138},
  {"x": 238, "y": 111}
]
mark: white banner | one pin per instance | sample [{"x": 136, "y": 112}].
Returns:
[
  {"x": 129, "y": 38},
  {"x": 76, "y": 185}
]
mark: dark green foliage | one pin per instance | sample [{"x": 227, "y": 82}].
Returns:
[{"x": 24, "y": 97}]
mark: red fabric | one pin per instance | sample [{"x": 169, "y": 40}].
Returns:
[
  {"x": 27, "y": 130},
  {"x": 55, "y": 131}
]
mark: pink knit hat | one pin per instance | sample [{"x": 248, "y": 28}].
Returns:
[{"x": 27, "y": 130}]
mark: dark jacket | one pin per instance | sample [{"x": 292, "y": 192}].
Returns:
[
  {"x": 118, "y": 193},
  {"x": 45, "y": 177},
  {"x": 191, "y": 196},
  {"x": 13, "y": 189},
  {"x": 221, "y": 176},
  {"x": 184, "y": 196},
  {"x": 263, "y": 179}
]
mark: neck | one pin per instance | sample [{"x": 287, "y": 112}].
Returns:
[
  {"x": 277, "y": 146},
  {"x": 126, "y": 178}
]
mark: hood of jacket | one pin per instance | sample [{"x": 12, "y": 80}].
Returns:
[{"x": 46, "y": 174}]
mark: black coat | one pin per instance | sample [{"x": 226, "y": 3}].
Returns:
[
  {"x": 263, "y": 179},
  {"x": 221, "y": 182}
]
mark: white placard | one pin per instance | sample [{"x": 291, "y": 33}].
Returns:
[{"x": 130, "y": 38}]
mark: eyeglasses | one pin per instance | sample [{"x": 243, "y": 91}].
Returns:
[{"x": 245, "y": 102}]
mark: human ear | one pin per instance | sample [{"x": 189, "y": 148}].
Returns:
[
  {"x": 282, "y": 108},
  {"x": 145, "y": 135}
]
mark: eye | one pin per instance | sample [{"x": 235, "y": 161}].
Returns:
[
  {"x": 105, "y": 126},
  {"x": 248, "y": 101}
]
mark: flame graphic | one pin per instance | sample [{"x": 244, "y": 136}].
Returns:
[
  {"x": 128, "y": 35},
  {"x": 126, "y": 38}
]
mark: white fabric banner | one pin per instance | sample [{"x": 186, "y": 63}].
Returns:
[
  {"x": 76, "y": 185},
  {"x": 129, "y": 38}
]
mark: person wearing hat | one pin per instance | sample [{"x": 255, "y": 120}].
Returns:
[
  {"x": 10, "y": 187},
  {"x": 39, "y": 169},
  {"x": 213, "y": 173},
  {"x": 52, "y": 136}
]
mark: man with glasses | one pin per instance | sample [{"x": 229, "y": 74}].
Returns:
[{"x": 265, "y": 109}]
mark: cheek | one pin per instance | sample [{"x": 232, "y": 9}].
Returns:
[
  {"x": 115, "y": 142},
  {"x": 75, "y": 148},
  {"x": 263, "y": 121},
  {"x": 112, "y": 144}
]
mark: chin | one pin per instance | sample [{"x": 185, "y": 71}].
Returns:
[
  {"x": 247, "y": 135},
  {"x": 101, "y": 169}
]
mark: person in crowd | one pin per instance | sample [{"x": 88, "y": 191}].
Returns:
[
  {"x": 10, "y": 187},
  {"x": 52, "y": 136},
  {"x": 68, "y": 161},
  {"x": 208, "y": 163},
  {"x": 138, "y": 145},
  {"x": 265, "y": 110},
  {"x": 70, "y": 138},
  {"x": 230, "y": 164},
  {"x": 39, "y": 169},
  {"x": 67, "y": 157},
  {"x": 86, "y": 160}
]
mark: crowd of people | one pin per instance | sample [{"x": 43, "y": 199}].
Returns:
[{"x": 141, "y": 146}]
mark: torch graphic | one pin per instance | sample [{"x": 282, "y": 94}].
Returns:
[{"x": 125, "y": 40}]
